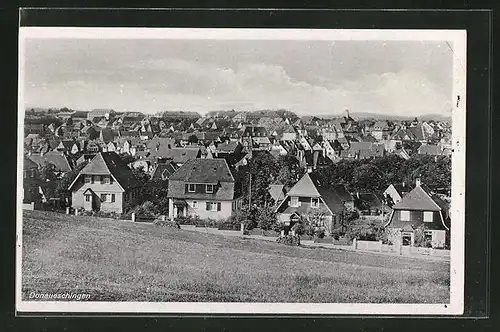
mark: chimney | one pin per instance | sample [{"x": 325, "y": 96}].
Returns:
[
  {"x": 347, "y": 113},
  {"x": 357, "y": 194},
  {"x": 417, "y": 182},
  {"x": 404, "y": 184}
]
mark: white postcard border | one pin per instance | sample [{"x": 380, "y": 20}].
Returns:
[{"x": 457, "y": 41}]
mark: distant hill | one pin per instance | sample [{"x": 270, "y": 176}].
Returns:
[{"x": 377, "y": 116}]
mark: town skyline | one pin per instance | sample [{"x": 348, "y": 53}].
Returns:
[{"x": 323, "y": 78}]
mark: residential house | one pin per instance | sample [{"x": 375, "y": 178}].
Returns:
[
  {"x": 60, "y": 161},
  {"x": 100, "y": 113},
  {"x": 395, "y": 192},
  {"x": 420, "y": 207},
  {"x": 163, "y": 171},
  {"x": 311, "y": 200},
  {"x": 278, "y": 192},
  {"x": 104, "y": 184},
  {"x": 204, "y": 188},
  {"x": 380, "y": 130},
  {"x": 370, "y": 203}
]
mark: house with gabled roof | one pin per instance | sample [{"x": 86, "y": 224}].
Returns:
[
  {"x": 106, "y": 184},
  {"x": 311, "y": 200},
  {"x": 163, "y": 171},
  {"x": 57, "y": 158},
  {"x": 395, "y": 192},
  {"x": 278, "y": 192},
  {"x": 204, "y": 188},
  {"x": 420, "y": 207}
]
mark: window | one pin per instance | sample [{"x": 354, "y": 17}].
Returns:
[
  {"x": 106, "y": 180},
  {"x": 405, "y": 215},
  {"x": 191, "y": 187},
  {"x": 209, "y": 188},
  {"x": 103, "y": 197},
  {"x": 112, "y": 198},
  {"x": 87, "y": 198},
  {"x": 428, "y": 235},
  {"x": 195, "y": 204},
  {"x": 99, "y": 178},
  {"x": 88, "y": 178},
  {"x": 213, "y": 206},
  {"x": 314, "y": 202},
  {"x": 428, "y": 216},
  {"x": 294, "y": 201}
]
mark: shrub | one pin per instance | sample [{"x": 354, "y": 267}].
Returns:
[
  {"x": 309, "y": 230},
  {"x": 337, "y": 233},
  {"x": 299, "y": 228},
  {"x": 319, "y": 233},
  {"x": 278, "y": 227},
  {"x": 289, "y": 240},
  {"x": 166, "y": 223}
]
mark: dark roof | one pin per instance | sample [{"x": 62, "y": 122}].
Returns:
[
  {"x": 430, "y": 149},
  {"x": 178, "y": 155},
  {"x": 228, "y": 147},
  {"x": 29, "y": 164},
  {"x": 110, "y": 163},
  {"x": 204, "y": 171},
  {"x": 372, "y": 200},
  {"x": 58, "y": 159},
  {"x": 164, "y": 171}
]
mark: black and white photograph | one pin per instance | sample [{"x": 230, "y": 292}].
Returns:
[{"x": 175, "y": 170}]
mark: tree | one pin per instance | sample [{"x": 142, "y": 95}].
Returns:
[
  {"x": 290, "y": 170},
  {"x": 48, "y": 172},
  {"x": 267, "y": 218},
  {"x": 193, "y": 139},
  {"x": 260, "y": 172}
]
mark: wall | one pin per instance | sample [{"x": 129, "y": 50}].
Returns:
[
  {"x": 200, "y": 210},
  {"x": 417, "y": 219}
]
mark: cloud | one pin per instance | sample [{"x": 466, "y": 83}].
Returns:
[{"x": 175, "y": 83}]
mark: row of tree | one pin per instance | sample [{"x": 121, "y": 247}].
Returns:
[{"x": 367, "y": 175}]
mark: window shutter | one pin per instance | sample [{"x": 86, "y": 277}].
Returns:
[
  {"x": 101, "y": 178},
  {"x": 218, "y": 206},
  {"x": 92, "y": 179},
  {"x": 110, "y": 179},
  {"x": 113, "y": 198},
  {"x": 208, "y": 206}
]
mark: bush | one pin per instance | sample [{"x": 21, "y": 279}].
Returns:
[
  {"x": 289, "y": 240},
  {"x": 299, "y": 228},
  {"x": 309, "y": 230},
  {"x": 337, "y": 234},
  {"x": 319, "y": 233},
  {"x": 278, "y": 227},
  {"x": 166, "y": 223}
]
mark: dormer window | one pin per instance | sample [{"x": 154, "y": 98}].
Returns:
[
  {"x": 88, "y": 178},
  {"x": 191, "y": 187},
  {"x": 209, "y": 188},
  {"x": 294, "y": 201}
]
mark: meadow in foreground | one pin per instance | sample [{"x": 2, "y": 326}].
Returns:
[{"x": 123, "y": 261}]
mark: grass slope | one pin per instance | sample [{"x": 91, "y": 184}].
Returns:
[{"x": 123, "y": 261}]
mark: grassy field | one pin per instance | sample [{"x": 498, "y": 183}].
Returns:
[{"x": 123, "y": 261}]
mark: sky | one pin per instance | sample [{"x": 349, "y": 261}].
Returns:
[{"x": 410, "y": 78}]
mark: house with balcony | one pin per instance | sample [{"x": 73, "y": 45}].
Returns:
[
  {"x": 105, "y": 184},
  {"x": 203, "y": 188}
]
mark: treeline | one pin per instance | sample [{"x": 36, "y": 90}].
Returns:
[{"x": 368, "y": 175}]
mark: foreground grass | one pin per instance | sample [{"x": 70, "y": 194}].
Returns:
[{"x": 122, "y": 261}]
